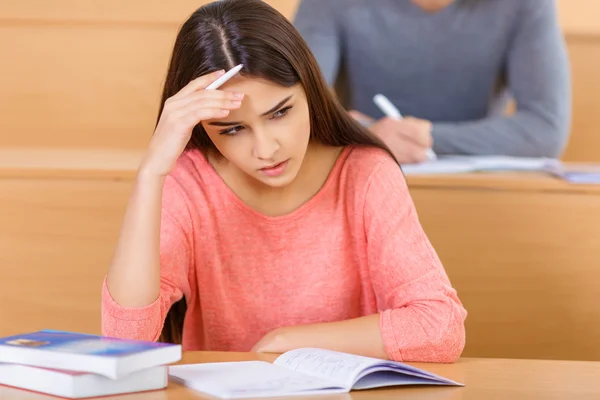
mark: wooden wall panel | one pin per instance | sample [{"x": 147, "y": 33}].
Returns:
[
  {"x": 106, "y": 11},
  {"x": 525, "y": 264},
  {"x": 87, "y": 164},
  {"x": 56, "y": 241},
  {"x": 112, "y": 11},
  {"x": 579, "y": 17},
  {"x": 68, "y": 85},
  {"x": 584, "y": 143},
  {"x": 86, "y": 74}
]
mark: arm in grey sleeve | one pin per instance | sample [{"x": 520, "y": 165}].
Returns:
[
  {"x": 317, "y": 24},
  {"x": 539, "y": 79}
]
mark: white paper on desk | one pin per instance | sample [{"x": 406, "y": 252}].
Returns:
[
  {"x": 584, "y": 178},
  {"x": 300, "y": 372},
  {"x": 438, "y": 167},
  {"x": 582, "y": 173},
  {"x": 248, "y": 379},
  {"x": 466, "y": 164}
]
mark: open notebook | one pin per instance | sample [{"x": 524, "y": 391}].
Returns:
[{"x": 300, "y": 372}]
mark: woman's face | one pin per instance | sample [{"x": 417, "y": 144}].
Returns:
[{"x": 267, "y": 137}]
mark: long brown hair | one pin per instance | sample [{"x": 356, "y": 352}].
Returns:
[{"x": 225, "y": 33}]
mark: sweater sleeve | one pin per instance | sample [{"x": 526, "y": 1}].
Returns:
[
  {"x": 422, "y": 319},
  {"x": 539, "y": 79},
  {"x": 146, "y": 323},
  {"x": 316, "y": 23}
]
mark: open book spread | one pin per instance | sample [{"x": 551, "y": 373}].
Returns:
[{"x": 300, "y": 372}]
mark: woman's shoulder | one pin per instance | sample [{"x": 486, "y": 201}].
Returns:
[
  {"x": 375, "y": 180},
  {"x": 190, "y": 162},
  {"x": 191, "y": 168},
  {"x": 364, "y": 161},
  {"x": 368, "y": 166},
  {"x": 188, "y": 177}
]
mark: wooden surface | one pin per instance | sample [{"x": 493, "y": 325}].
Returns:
[
  {"x": 59, "y": 163},
  {"x": 84, "y": 73},
  {"x": 584, "y": 54},
  {"x": 107, "y": 12},
  {"x": 56, "y": 241},
  {"x": 523, "y": 254},
  {"x": 502, "y": 181},
  {"x": 579, "y": 18},
  {"x": 489, "y": 379}
]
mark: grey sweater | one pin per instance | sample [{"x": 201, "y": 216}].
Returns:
[{"x": 456, "y": 68}]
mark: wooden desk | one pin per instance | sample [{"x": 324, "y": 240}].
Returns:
[
  {"x": 485, "y": 379},
  {"x": 523, "y": 251}
]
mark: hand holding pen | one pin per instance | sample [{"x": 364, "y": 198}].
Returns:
[
  {"x": 409, "y": 138},
  {"x": 386, "y": 106}
]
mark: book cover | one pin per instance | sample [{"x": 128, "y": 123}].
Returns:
[{"x": 80, "y": 343}]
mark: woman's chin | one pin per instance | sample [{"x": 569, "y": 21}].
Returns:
[{"x": 278, "y": 177}]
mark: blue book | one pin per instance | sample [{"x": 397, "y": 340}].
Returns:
[{"x": 107, "y": 356}]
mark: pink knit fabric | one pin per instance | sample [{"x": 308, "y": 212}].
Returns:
[{"x": 354, "y": 249}]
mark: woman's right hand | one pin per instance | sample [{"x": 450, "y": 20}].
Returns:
[
  {"x": 408, "y": 138},
  {"x": 181, "y": 113}
]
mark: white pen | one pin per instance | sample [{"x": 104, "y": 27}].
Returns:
[
  {"x": 227, "y": 76},
  {"x": 386, "y": 106}
]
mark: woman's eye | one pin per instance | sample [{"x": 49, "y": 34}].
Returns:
[
  {"x": 281, "y": 113},
  {"x": 232, "y": 131}
]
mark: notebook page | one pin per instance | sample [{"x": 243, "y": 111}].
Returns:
[
  {"x": 340, "y": 368},
  {"x": 247, "y": 379},
  {"x": 390, "y": 378}
]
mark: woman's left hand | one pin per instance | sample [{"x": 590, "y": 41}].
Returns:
[{"x": 276, "y": 341}]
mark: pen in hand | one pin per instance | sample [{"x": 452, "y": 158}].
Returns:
[{"x": 386, "y": 106}]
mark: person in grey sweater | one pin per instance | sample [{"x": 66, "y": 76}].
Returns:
[{"x": 451, "y": 65}]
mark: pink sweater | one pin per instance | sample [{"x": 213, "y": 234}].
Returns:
[{"x": 354, "y": 249}]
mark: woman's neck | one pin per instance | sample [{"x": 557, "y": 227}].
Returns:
[
  {"x": 432, "y": 5},
  {"x": 316, "y": 166}
]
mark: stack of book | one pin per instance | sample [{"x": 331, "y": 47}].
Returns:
[{"x": 75, "y": 365}]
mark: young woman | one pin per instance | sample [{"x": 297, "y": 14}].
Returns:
[{"x": 264, "y": 218}]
